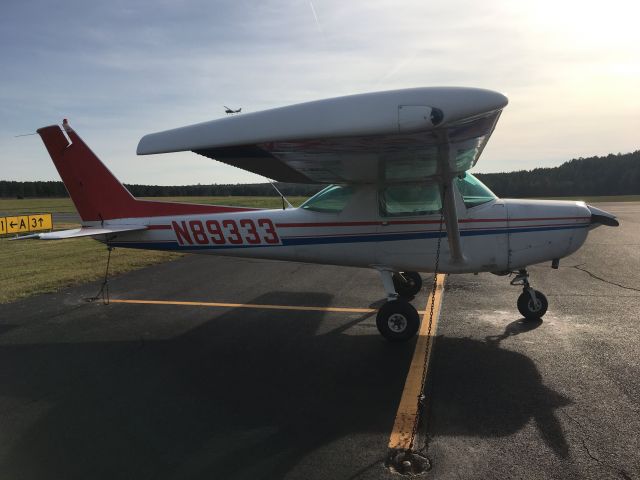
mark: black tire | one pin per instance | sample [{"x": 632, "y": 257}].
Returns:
[
  {"x": 527, "y": 308},
  {"x": 407, "y": 284},
  {"x": 397, "y": 321}
]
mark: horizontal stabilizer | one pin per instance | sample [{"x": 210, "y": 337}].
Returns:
[{"x": 82, "y": 232}]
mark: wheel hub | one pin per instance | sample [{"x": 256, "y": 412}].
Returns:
[
  {"x": 535, "y": 305},
  {"x": 397, "y": 323},
  {"x": 407, "y": 280}
]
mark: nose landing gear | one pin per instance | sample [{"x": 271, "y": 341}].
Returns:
[
  {"x": 407, "y": 284},
  {"x": 532, "y": 304}
]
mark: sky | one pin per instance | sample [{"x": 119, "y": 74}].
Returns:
[{"x": 121, "y": 69}]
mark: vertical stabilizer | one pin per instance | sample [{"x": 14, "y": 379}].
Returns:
[
  {"x": 94, "y": 190},
  {"x": 97, "y": 194}
]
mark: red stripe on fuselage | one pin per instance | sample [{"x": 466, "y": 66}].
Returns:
[
  {"x": 327, "y": 224},
  {"x": 417, "y": 222},
  {"x": 413, "y": 222},
  {"x": 400, "y": 232}
]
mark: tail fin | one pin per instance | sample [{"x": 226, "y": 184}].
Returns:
[
  {"x": 95, "y": 191},
  {"x": 97, "y": 194}
]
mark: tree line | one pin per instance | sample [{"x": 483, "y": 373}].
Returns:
[
  {"x": 12, "y": 189},
  {"x": 614, "y": 174}
]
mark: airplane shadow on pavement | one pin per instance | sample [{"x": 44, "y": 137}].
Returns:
[
  {"x": 486, "y": 391},
  {"x": 246, "y": 393}
]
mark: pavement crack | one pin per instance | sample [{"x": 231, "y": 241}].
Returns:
[
  {"x": 379, "y": 461},
  {"x": 573, "y": 420},
  {"x": 610, "y": 282},
  {"x": 619, "y": 471},
  {"x": 622, "y": 473},
  {"x": 586, "y": 449}
]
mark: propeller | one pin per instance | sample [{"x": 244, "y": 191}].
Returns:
[{"x": 602, "y": 217}]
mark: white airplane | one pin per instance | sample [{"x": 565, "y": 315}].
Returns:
[{"x": 397, "y": 162}]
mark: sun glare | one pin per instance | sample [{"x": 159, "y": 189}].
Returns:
[{"x": 588, "y": 24}]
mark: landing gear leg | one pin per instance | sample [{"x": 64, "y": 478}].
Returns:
[
  {"x": 532, "y": 304},
  {"x": 397, "y": 319}
]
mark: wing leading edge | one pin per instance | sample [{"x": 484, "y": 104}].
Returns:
[{"x": 395, "y": 136}]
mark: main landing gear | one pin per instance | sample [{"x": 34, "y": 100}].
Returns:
[
  {"x": 532, "y": 304},
  {"x": 397, "y": 319}
]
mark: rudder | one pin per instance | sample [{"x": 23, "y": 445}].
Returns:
[{"x": 97, "y": 194}]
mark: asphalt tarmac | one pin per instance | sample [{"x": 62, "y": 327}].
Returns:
[{"x": 181, "y": 391}]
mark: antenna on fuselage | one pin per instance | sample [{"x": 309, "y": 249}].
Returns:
[{"x": 281, "y": 195}]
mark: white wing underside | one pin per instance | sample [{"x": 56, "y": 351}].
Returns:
[{"x": 395, "y": 136}]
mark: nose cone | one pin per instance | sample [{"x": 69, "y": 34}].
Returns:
[{"x": 600, "y": 217}]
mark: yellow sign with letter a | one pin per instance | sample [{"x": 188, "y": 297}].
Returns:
[{"x": 17, "y": 224}]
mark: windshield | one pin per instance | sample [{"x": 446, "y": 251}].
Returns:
[
  {"x": 332, "y": 199},
  {"x": 473, "y": 191}
]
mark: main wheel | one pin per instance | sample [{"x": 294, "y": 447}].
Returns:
[
  {"x": 532, "y": 310},
  {"x": 407, "y": 284},
  {"x": 397, "y": 321}
]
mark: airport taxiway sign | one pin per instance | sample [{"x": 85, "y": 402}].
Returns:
[
  {"x": 26, "y": 223},
  {"x": 40, "y": 222},
  {"x": 18, "y": 224}
]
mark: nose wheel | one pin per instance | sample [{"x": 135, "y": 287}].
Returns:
[
  {"x": 407, "y": 284},
  {"x": 532, "y": 307},
  {"x": 532, "y": 304}
]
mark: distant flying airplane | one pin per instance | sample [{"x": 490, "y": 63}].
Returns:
[
  {"x": 398, "y": 163},
  {"x": 231, "y": 111}
]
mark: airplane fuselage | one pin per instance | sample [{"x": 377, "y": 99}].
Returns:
[{"x": 499, "y": 235}]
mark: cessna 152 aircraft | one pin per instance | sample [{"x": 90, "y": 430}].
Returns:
[{"x": 397, "y": 162}]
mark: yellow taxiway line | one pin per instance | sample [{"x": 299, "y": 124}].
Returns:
[
  {"x": 250, "y": 305},
  {"x": 408, "y": 408},
  {"x": 407, "y": 413},
  {"x": 247, "y": 305}
]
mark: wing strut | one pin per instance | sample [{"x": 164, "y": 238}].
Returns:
[
  {"x": 451, "y": 221},
  {"x": 447, "y": 168}
]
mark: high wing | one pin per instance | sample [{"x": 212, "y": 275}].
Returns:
[{"x": 394, "y": 136}]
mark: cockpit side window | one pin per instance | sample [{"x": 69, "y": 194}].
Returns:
[
  {"x": 473, "y": 191},
  {"x": 404, "y": 199},
  {"x": 332, "y": 199}
]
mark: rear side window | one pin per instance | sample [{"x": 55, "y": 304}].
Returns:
[{"x": 403, "y": 200}]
